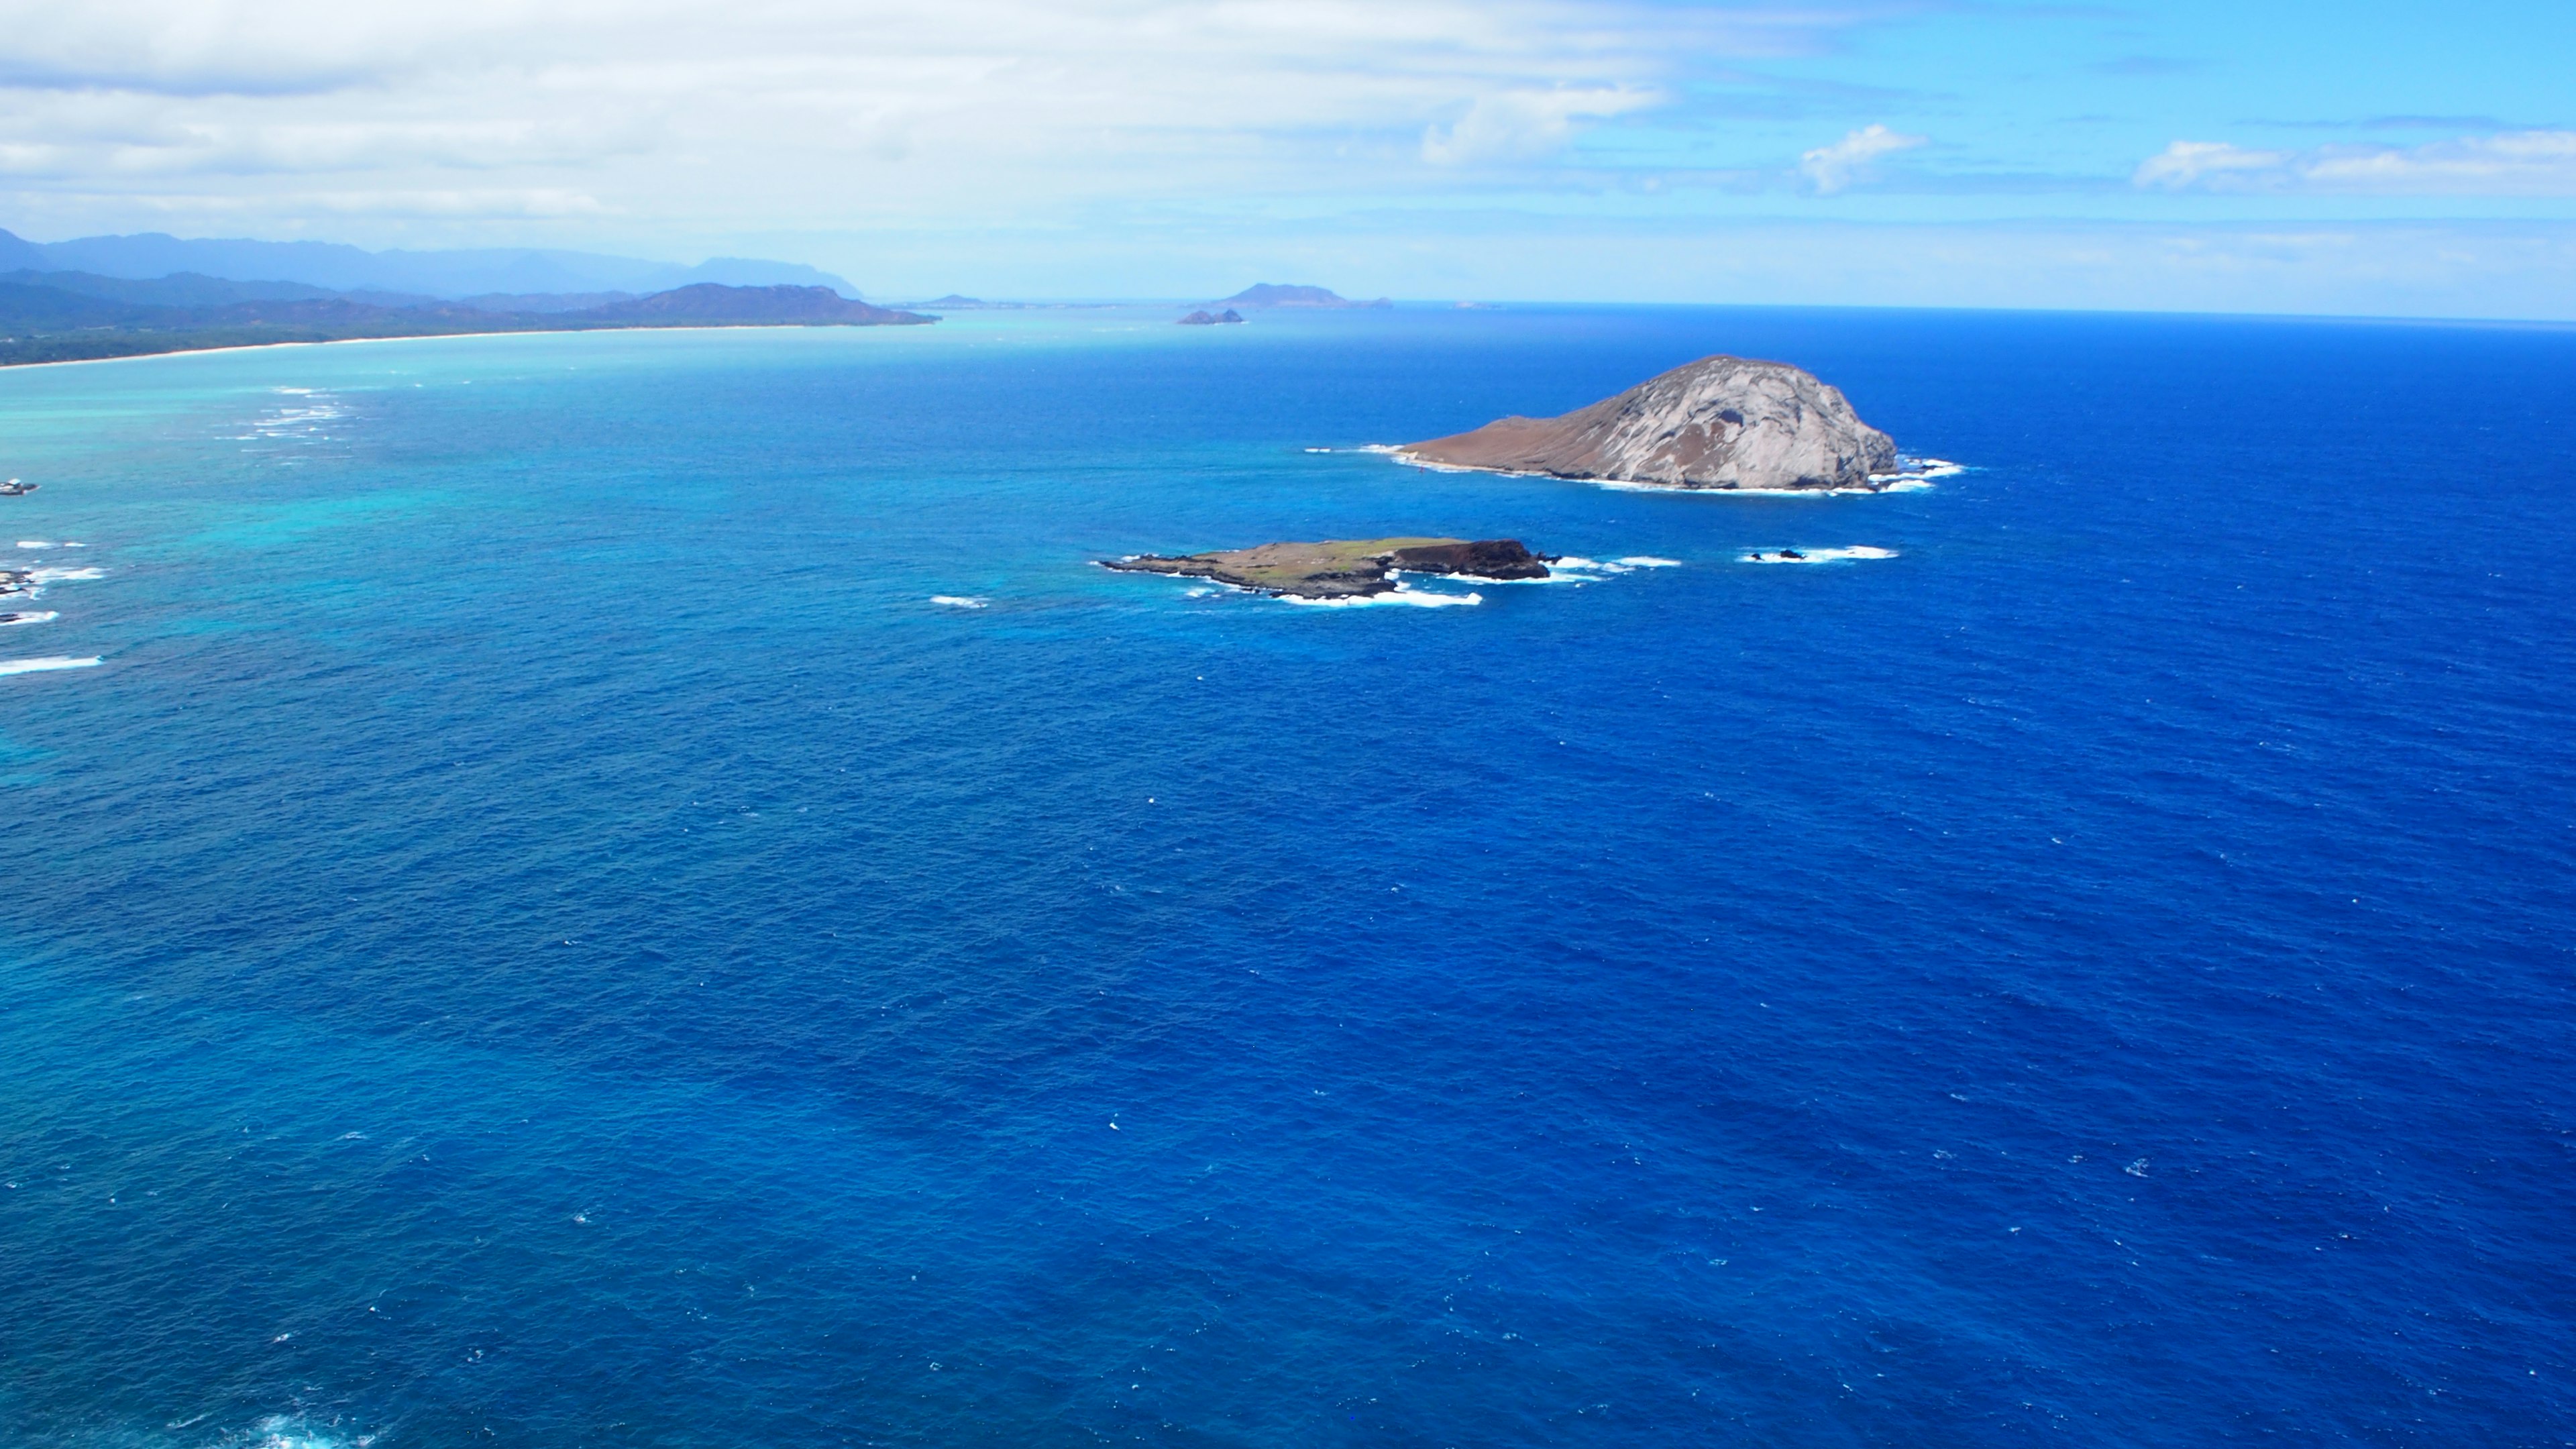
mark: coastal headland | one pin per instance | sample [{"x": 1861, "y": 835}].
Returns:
[
  {"x": 1719, "y": 423},
  {"x": 1345, "y": 568},
  {"x": 69, "y": 317}
]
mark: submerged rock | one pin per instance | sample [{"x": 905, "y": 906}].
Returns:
[
  {"x": 1721, "y": 422},
  {"x": 1345, "y": 568}
]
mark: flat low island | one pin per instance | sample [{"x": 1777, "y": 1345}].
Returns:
[{"x": 1345, "y": 568}]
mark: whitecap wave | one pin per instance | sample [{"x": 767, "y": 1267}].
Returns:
[
  {"x": 1913, "y": 475},
  {"x": 39, "y": 666},
  {"x": 33, "y": 543},
  {"x": 960, "y": 601},
  {"x": 1623, "y": 485},
  {"x": 1649, "y": 561},
  {"x": 1413, "y": 597},
  {"x": 1576, "y": 569},
  {"x": 37, "y": 616},
  {"x": 1815, "y": 555},
  {"x": 283, "y": 1432}
]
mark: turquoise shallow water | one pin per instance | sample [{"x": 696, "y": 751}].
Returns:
[{"x": 538, "y": 930}]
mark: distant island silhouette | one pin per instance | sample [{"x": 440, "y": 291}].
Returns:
[{"x": 1295, "y": 294}]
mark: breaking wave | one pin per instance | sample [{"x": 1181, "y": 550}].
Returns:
[
  {"x": 1413, "y": 597},
  {"x": 39, "y": 666},
  {"x": 1815, "y": 555}
]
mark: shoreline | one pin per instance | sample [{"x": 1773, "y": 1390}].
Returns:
[
  {"x": 1933, "y": 469},
  {"x": 428, "y": 337}
]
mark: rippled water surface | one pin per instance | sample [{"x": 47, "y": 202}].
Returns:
[{"x": 640, "y": 889}]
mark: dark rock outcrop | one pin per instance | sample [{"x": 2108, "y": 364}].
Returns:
[
  {"x": 1721, "y": 422},
  {"x": 1486, "y": 558},
  {"x": 1204, "y": 318}
]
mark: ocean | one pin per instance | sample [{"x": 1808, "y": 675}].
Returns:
[{"x": 644, "y": 889}]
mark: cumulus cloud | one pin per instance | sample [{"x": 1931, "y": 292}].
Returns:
[
  {"x": 1834, "y": 168},
  {"x": 1524, "y": 125},
  {"x": 2508, "y": 163}
]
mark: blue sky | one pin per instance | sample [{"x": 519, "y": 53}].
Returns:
[{"x": 2359, "y": 157}]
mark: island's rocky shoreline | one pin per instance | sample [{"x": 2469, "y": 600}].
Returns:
[
  {"x": 1721, "y": 423},
  {"x": 1345, "y": 568}
]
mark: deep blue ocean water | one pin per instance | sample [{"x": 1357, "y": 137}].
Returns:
[{"x": 538, "y": 931}]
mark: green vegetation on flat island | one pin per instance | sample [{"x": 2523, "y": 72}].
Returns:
[{"x": 1344, "y": 568}]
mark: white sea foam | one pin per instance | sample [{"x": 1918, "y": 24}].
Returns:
[
  {"x": 282, "y": 1432},
  {"x": 33, "y": 543},
  {"x": 1576, "y": 569},
  {"x": 1818, "y": 555},
  {"x": 1913, "y": 475},
  {"x": 960, "y": 601},
  {"x": 1555, "y": 576},
  {"x": 1649, "y": 561},
  {"x": 38, "y": 666},
  {"x": 1414, "y": 597},
  {"x": 41, "y": 616},
  {"x": 38, "y": 578}
]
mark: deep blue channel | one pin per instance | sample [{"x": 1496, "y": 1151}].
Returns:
[{"x": 539, "y": 931}]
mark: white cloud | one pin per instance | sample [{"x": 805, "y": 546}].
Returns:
[
  {"x": 1834, "y": 168},
  {"x": 1524, "y": 125},
  {"x": 2510, "y": 163},
  {"x": 790, "y": 116},
  {"x": 2202, "y": 163}
]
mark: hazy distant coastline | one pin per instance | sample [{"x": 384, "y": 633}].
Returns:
[{"x": 64, "y": 317}]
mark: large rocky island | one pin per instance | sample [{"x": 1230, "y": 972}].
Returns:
[
  {"x": 1721, "y": 422},
  {"x": 1345, "y": 568}
]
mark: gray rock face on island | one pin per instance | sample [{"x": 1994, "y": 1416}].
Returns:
[{"x": 1721, "y": 422}]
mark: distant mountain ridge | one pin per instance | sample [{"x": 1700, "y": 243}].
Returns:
[{"x": 448, "y": 275}]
